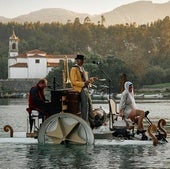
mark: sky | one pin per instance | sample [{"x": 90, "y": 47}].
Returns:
[{"x": 14, "y": 8}]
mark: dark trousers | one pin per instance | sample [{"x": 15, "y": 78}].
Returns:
[
  {"x": 46, "y": 109},
  {"x": 86, "y": 104}
]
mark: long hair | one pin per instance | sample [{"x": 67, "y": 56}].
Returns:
[{"x": 42, "y": 81}]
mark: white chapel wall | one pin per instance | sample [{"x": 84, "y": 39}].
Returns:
[
  {"x": 18, "y": 73},
  {"x": 37, "y": 70}
]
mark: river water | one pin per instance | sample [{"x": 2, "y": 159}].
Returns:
[{"x": 34, "y": 156}]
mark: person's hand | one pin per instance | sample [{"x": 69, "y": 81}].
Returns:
[
  {"x": 95, "y": 78},
  {"x": 47, "y": 101},
  {"x": 121, "y": 113},
  {"x": 87, "y": 82}
]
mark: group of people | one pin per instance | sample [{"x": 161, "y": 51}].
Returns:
[{"x": 80, "y": 82}]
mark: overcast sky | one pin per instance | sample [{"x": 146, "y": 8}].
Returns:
[{"x": 13, "y": 8}]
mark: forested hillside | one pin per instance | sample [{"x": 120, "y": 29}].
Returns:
[{"x": 142, "y": 52}]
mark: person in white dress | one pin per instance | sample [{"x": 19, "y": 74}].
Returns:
[{"x": 128, "y": 108}]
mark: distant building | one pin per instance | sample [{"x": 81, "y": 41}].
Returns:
[{"x": 32, "y": 64}]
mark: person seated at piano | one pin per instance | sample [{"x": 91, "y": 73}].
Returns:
[
  {"x": 37, "y": 100},
  {"x": 80, "y": 83}
]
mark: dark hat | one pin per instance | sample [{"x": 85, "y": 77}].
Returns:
[{"x": 81, "y": 57}]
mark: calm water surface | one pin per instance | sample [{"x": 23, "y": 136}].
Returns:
[{"x": 34, "y": 156}]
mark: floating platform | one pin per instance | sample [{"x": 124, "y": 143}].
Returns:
[
  {"x": 20, "y": 137},
  {"x": 66, "y": 128}
]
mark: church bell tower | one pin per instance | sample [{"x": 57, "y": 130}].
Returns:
[
  {"x": 13, "y": 51},
  {"x": 13, "y": 45}
]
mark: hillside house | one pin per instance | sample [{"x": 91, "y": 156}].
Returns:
[{"x": 31, "y": 64}]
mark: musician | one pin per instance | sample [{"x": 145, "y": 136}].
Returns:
[
  {"x": 80, "y": 83},
  {"x": 37, "y": 100}
]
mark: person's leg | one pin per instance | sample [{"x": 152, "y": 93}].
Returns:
[
  {"x": 84, "y": 105},
  {"x": 141, "y": 115},
  {"x": 49, "y": 110},
  {"x": 132, "y": 115},
  {"x": 90, "y": 105},
  {"x": 91, "y": 118}
]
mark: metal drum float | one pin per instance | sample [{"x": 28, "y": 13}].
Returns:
[{"x": 65, "y": 128}]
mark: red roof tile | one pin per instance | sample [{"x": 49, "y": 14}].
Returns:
[
  {"x": 19, "y": 65},
  {"x": 52, "y": 64},
  {"x": 36, "y": 51}
]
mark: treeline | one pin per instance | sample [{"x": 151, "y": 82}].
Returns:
[
  {"x": 108, "y": 68},
  {"x": 144, "y": 50}
]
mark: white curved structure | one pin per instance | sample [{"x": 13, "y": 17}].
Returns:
[{"x": 65, "y": 128}]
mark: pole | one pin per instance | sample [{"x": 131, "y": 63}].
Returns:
[{"x": 109, "y": 81}]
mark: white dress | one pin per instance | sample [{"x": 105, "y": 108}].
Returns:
[
  {"x": 125, "y": 104},
  {"x": 127, "y": 101}
]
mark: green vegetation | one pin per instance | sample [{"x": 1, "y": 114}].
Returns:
[
  {"x": 162, "y": 85},
  {"x": 94, "y": 70},
  {"x": 141, "y": 52}
]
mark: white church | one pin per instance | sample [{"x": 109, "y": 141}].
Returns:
[{"x": 32, "y": 64}]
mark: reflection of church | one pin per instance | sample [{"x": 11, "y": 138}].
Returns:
[{"x": 31, "y": 64}]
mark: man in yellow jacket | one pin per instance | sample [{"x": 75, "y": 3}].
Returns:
[{"x": 80, "y": 83}]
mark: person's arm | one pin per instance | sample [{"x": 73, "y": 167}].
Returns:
[
  {"x": 122, "y": 104},
  {"x": 36, "y": 98},
  {"x": 92, "y": 79},
  {"x": 121, "y": 113}
]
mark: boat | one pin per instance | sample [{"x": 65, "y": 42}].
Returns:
[
  {"x": 13, "y": 95},
  {"x": 69, "y": 128},
  {"x": 101, "y": 136},
  {"x": 100, "y": 95},
  {"x": 137, "y": 96},
  {"x": 144, "y": 96},
  {"x": 153, "y": 96},
  {"x": 20, "y": 137}
]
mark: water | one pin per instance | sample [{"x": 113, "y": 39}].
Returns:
[
  {"x": 34, "y": 156},
  {"x": 83, "y": 157}
]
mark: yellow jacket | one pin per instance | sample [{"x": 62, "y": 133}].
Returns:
[{"x": 76, "y": 79}]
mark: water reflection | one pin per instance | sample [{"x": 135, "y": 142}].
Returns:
[
  {"x": 85, "y": 157},
  {"x": 34, "y": 156},
  {"x": 4, "y": 101},
  {"x": 58, "y": 156}
]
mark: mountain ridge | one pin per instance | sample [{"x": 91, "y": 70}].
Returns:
[{"x": 140, "y": 12}]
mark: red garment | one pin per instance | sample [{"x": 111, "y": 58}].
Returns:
[{"x": 36, "y": 98}]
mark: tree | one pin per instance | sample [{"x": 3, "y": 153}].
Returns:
[
  {"x": 3, "y": 68},
  {"x": 103, "y": 19},
  {"x": 87, "y": 20}
]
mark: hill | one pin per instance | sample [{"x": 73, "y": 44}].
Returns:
[
  {"x": 141, "y": 12},
  {"x": 50, "y": 15}
]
